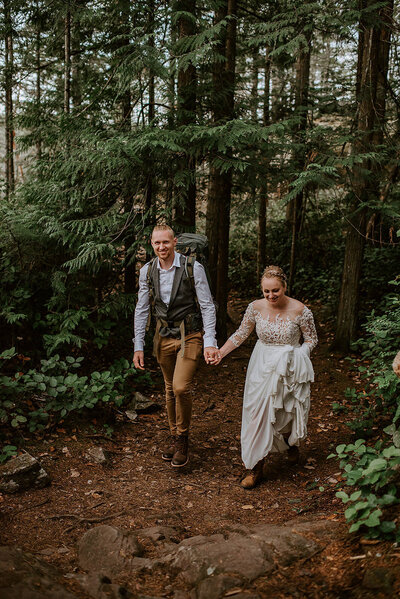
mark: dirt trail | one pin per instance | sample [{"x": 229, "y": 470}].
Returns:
[{"x": 140, "y": 490}]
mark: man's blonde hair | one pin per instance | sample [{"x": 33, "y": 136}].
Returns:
[{"x": 163, "y": 228}]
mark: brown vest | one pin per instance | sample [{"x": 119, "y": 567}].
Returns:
[{"x": 182, "y": 307}]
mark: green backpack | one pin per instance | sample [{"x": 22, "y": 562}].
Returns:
[{"x": 195, "y": 247}]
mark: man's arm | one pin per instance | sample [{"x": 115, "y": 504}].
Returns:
[
  {"x": 207, "y": 310},
  {"x": 141, "y": 316}
]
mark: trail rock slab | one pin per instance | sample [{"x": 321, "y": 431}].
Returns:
[
  {"x": 22, "y": 473},
  {"x": 108, "y": 550},
  {"x": 215, "y": 587},
  {"x": 247, "y": 554},
  {"x": 157, "y": 534},
  {"x": 23, "y": 576},
  {"x": 378, "y": 579},
  {"x": 99, "y": 586}
]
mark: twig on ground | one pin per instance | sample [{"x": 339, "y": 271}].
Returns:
[
  {"x": 86, "y": 520},
  {"x": 30, "y": 507}
]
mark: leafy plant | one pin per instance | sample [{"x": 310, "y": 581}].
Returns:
[
  {"x": 41, "y": 396},
  {"x": 373, "y": 472},
  {"x": 7, "y": 452}
]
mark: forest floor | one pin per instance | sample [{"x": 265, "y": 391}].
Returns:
[{"x": 139, "y": 490}]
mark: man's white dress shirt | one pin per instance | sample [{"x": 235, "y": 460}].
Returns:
[{"x": 203, "y": 293}]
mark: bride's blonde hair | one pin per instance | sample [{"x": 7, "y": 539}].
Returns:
[{"x": 274, "y": 272}]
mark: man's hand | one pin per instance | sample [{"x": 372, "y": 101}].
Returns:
[
  {"x": 212, "y": 355},
  {"x": 138, "y": 360}
]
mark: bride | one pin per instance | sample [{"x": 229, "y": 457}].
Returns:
[{"x": 276, "y": 398}]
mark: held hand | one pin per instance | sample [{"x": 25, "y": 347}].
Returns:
[
  {"x": 138, "y": 360},
  {"x": 212, "y": 355},
  {"x": 217, "y": 359}
]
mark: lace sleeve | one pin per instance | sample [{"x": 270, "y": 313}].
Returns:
[
  {"x": 246, "y": 327},
  {"x": 308, "y": 330}
]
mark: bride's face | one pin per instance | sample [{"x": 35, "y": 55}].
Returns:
[{"x": 273, "y": 290}]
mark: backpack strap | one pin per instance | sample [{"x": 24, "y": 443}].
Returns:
[
  {"x": 189, "y": 269},
  {"x": 150, "y": 286}
]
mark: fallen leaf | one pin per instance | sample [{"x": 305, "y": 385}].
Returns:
[
  {"x": 247, "y": 507},
  {"x": 75, "y": 473}
]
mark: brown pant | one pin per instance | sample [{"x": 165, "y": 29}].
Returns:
[{"x": 178, "y": 373}]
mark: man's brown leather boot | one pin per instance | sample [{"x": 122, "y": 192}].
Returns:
[
  {"x": 169, "y": 449},
  {"x": 181, "y": 455}
]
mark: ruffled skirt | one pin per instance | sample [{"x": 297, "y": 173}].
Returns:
[{"x": 276, "y": 400}]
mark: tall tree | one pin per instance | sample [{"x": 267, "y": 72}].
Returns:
[
  {"x": 185, "y": 201},
  {"x": 9, "y": 109},
  {"x": 67, "y": 58},
  {"x": 263, "y": 200},
  {"x": 297, "y": 205},
  {"x": 375, "y": 29},
  {"x": 220, "y": 180}
]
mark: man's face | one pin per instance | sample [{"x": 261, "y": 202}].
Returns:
[{"x": 163, "y": 244}]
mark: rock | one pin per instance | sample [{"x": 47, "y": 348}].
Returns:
[
  {"x": 23, "y": 576},
  {"x": 131, "y": 414},
  {"x": 108, "y": 550},
  {"x": 159, "y": 533},
  {"x": 215, "y": 587},
  {"x": 200, "y": 557},
  {"x": 144, "y": 404},
  {"x": 379, "y": 579},
  {"x": 181, "y": 595},
  {"x": 98, "y": 455},
  {"x": 249, "y": 553},
  {"x": 22, "y": 473},
  {"x": 101, "y": 587}
]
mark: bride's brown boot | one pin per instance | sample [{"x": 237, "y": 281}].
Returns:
[{"x": 253, "y": 476}]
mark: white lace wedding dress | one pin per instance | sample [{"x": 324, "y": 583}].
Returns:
[{"x": 276, "y": 398}]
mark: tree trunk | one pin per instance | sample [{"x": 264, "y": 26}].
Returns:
[
  {"x": 150, "y": 208},
  {"x": 220, "y": 183},
  {"x": 263, "y": 200},
  {"x": 77, "y": 75},
  {"x": 185, "y": 201},
  {"x": 9, "y": 109},
  {"x": 296, "y": 206},
  {"x": 38, "y": 97},
  {"x": 125, "y": 101},
  {"x": 67, "y": 60},
  {"x": 372, "y": 67}
]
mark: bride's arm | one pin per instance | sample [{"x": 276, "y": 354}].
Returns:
[
  {"x": 246, "y": 327},
  {"x": 308, "y": 330}
]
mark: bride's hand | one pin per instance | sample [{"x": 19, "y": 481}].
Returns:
[{"x": 217, "y": 359}]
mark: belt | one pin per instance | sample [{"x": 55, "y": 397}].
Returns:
[{"x": 169, "y": 324}]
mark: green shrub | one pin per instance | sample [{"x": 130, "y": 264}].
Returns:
[
  {"x": 39, "y": 397},
  {"x": 373, "y": 473}
]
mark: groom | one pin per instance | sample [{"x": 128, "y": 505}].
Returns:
[{"x": 183, "y": 307}]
